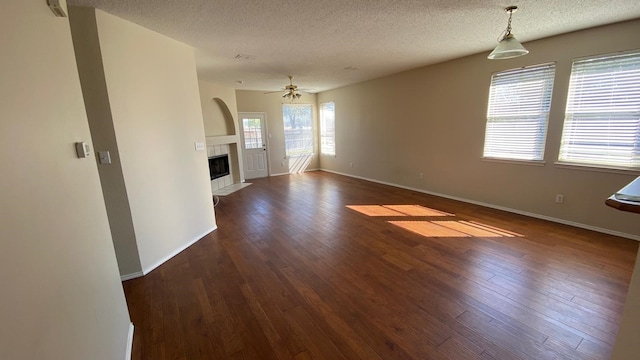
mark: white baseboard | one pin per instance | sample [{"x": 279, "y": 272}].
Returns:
[
  {"x": 498, "y": 207},
  {"x": 150, "y": 268},
  {"x": 127, "y": 355},
  {"x": 306, "y": 170},
  {"x": 134, "y": 275}
]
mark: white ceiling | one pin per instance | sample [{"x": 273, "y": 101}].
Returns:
[{"x": 320, "y": 41}]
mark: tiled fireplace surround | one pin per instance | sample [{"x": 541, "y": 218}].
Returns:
[{"x": 220, "y": 145}]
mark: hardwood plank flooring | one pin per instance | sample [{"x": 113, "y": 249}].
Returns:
[{"x": 322, "y": 266}]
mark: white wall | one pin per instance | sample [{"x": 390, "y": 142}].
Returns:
[
  {"x": 627, "y": 345},
  {"x": 153, "y": 98},
  {"x": 432, "y": 120},
  {"x": 61, "y": 294},
  {"x": 271, "y": 105}
]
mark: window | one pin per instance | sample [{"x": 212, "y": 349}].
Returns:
[
  {"x": 328, "y": 128},
  {"x": 298, "y": 129},
  {"x": 602, "y": 118},
  {"x": 252, "y": 133},
  {"x": 518, "y": 113}
]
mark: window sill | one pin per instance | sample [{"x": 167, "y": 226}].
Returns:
[
  {"x": 516, "y": 162},
  {"x": 596, "y": 168}
]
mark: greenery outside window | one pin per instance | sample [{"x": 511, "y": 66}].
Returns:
[{"x": 298, "y": 129}]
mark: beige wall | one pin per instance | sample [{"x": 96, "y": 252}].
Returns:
[
  {"x": 91, "y": 71},
  {"x": 432, "y": 120},
  {"x": 153, "y": 91},
  {"x": 271, "y": 105},
  {"x": 216, "y": 115},
  {"x": 61, "y": 294},
  {"x": 153, "y": 98},
  {"x": 220, "y": 113}
]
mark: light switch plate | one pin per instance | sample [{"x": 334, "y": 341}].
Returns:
[{"x": 104, "y": 157}]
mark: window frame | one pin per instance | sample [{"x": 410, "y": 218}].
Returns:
[
  {"x": 568, "y": 119},
  {"x": 501, "y": 116},
  {"x": 323, "y": 131},
  {"x": 312, "y": 132}
]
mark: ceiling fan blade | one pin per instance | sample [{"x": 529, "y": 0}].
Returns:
[{"x": 291, "y": 88}]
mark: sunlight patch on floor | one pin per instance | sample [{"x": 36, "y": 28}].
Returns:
[
  {"x": 446, "y": 227},
  {"x": 504, "y": 232},
  {"x": 375, "y": 210},
  {"x": 476, "y": 229},
  {"x": 396, "y": 210},
  {"x": 428, "y": 229},
  {"x": 416, "y": 210}
]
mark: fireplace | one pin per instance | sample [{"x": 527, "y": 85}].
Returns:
[{"x": 218, "y": 166}]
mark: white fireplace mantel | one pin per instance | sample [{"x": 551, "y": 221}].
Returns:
[{"x": 222, "y": 140}]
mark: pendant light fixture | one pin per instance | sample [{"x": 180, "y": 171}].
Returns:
[{"x": 508, "y": 47}]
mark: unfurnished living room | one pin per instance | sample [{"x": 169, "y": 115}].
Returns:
[{"x": 320, "y": 179}]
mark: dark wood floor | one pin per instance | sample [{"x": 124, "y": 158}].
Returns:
[{"x": 294, "y": 273}]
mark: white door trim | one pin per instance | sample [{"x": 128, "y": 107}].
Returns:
[{"x": 266, "y": 138}]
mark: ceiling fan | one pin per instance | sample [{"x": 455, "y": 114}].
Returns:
[{"x": 291, "y": 91}]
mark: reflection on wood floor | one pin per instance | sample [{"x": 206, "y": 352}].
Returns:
[{"x": 321, "y": 266}]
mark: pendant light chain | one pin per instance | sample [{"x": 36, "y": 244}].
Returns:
[
  {"x": 508, "y": 31},
  {"x": 508, "y": 47}
]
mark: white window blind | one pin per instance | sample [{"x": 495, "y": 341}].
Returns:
[
  {"x": 518, "y": 113},
  {"x": 602, "y": 118}
]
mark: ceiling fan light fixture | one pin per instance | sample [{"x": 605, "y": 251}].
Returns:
[
  {"x": 508, "y": 47},
  {"x": 290, "y": 91}
]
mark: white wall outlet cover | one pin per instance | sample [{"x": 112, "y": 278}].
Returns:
[{"x": 199, "y": 146}]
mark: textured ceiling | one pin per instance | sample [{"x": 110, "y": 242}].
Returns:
[{"x": 327, "y": 44}]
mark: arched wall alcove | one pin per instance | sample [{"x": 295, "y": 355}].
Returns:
[
  {"x": 219, "y": 111},
  {"x": 228, "y": 117},
  {"x": 218, "y": 120}
]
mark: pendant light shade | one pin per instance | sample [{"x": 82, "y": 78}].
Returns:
[{"x": 508, "y": 47}]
